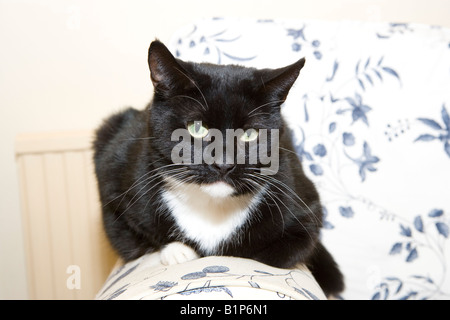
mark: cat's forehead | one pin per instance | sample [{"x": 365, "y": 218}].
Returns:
[
  {"x": 225, "y": 90},
  {"x": 225, "y": 75}
]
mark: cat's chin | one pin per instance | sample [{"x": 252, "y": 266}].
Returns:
[{"x": 219, "y": 189}]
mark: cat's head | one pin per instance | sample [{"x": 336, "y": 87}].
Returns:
[{"x": 212, "y": 125}]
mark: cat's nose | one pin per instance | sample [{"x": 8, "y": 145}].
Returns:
[{"x": 224, "y": 168}]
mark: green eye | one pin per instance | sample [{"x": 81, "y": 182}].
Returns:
[
  {"x": 197, "y": 130},
  {"x": 249, "y": 135}
]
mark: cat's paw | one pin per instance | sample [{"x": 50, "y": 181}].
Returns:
[{"x": 177, "y": 252}]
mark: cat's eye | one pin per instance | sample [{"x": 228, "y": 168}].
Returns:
[
  {"x": 249, "y": 135},
  {"x": 197, "y": 130}
]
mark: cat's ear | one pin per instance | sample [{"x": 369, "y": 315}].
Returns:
[
  {"x": 166, "y": 73},
  {"x": 278, "y": 82}
]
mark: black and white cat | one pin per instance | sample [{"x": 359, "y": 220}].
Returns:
[{"x": 189, "y": 209}]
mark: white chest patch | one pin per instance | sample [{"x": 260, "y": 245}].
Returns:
[{"x": 208, "y": 214}]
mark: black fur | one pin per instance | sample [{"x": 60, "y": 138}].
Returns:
[{"x": 132, "y": 154}]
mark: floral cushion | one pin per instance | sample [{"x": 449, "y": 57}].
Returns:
[
  {"x": 223, "y": 278},
  {"x": 370, "y": 115}
]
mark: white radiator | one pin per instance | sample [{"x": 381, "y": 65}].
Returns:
[{"x": 68, "y": 255}]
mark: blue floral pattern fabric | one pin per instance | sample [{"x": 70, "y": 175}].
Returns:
[
  {"x": 223, "y": 278},
  {"x": 370, "y": 116}
]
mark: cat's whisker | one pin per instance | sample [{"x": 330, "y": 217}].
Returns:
[
  {"x": 285, "y": 149},
  {"x": 185, "y": 179},
  {"x": 261, "y": 177},
  {"x": 272, "y": 194},
  {"x": 133, "y": 139},
  {"x": 188, "y": 97},
  {"x": 260, "y": 114},
  {"x": 179, "y": 181},
  {"x": 282, "y": 184},
  {"x": 195, "y": 84},
  {"x": 265, "y": 104},
  {"x": 158, "y": 175},
  {"x": 267, "y": 191},
  {"x": 136, "y": 183},
  {"x": 259, "y": 185},
  {"x": 292, "y": 214}
]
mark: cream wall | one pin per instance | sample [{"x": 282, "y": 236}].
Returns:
[{"x": 66, "y": 64}]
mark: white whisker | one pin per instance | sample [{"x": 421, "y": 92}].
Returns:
[
  {"x": 265, "y": 104},
  {"x": 136, "y": 183},
  {"x": 271, "y": 178},
  {"x": 132, "y": 139},
  {"x": 188, "y": 97},
  {"x": 259, "y": 114},
  {"x": 193, "y": 82},
  {"x": 274, "y": 183},
  {"x": 259, "y": 185},
  {"x": 152, "y": 178}
]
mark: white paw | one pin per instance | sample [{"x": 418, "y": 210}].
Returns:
[{"x": 177, "y": 252}]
